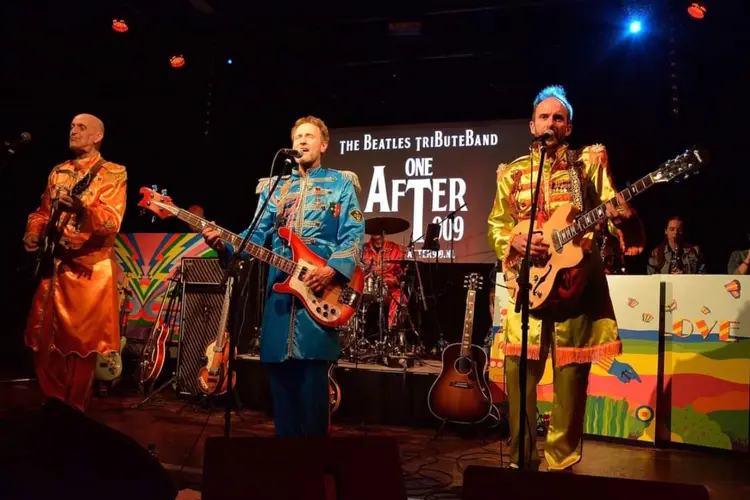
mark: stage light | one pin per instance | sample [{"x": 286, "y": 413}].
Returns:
[
  {"x": 119, "y": 25},
  {"x": 635, "y": 27},
  {"x": 229, "y": 61},
  {"x": 177, "y": 61},
  {"x": 697, "y": 10}
]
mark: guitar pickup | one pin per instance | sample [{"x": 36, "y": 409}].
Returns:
[{"x": 349, "y": 297}]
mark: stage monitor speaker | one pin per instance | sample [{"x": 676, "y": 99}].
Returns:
[
  {"x": 58, "y": 452},
  {"x": 200, "y": 313},
  {"x": 487, "y": 483},
  {"x": 352, "y": 468}
]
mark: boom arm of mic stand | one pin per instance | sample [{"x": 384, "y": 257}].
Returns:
[{"x": 522, "y": 303}]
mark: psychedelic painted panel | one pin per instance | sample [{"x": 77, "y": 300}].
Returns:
[
  {"x": 707, "y": 360},
  {"x": 623, "y": 389},
  {"x": 146, "y": 262}
]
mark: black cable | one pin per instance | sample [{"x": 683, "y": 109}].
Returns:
[{"x": 192, "y": 448}]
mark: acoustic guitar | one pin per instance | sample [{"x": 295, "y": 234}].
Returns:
[
  {"x": 460, "y": 393},
  {"x": 566, "y": 228},
  {"x": 333, "y": 307}
]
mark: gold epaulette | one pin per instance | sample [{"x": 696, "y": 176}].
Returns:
[
  {"x": 353, "y": 178},
  {"x": 115, "y": 172}
]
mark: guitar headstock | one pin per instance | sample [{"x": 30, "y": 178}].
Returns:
[
  {"x": 473, "y": 281},
  {"x": 158, "y": 203},
  {"x": 682, "y": 166}
]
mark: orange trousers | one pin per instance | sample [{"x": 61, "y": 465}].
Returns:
[{"x": 68, "y": 378}]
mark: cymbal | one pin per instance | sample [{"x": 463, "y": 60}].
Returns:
[{"x": 386, "y": 225}]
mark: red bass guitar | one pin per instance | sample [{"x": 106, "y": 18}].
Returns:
[{"x": 332, "y": 307}]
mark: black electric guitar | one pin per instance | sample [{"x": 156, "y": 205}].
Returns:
[
  {"x": 460, "y": 393},
  {"x": 58, "y": 220}
]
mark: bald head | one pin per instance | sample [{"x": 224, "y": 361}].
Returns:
[{"x": 86, "y": 133}]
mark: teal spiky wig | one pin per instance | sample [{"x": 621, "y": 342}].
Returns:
[{"x": 556, "y": 91}]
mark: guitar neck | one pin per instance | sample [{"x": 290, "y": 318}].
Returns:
[
  {"x": 257, "y": 251},
  {"x": 587, "y": 221},
  {"x": 468, "y": 323}
]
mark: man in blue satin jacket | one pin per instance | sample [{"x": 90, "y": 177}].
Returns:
[{"x": 320, "y": 206}]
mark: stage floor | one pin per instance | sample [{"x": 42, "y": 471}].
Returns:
[{"x": 431, "y": 465}]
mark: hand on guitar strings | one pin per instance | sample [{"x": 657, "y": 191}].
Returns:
[
  {"x": 539, "y": 249},
  {"x": 319, "y": 278},
  {"x": 69, "y": 203},
  {"x": 618, "y": 215},
  {"x": 211, "y": 236}
]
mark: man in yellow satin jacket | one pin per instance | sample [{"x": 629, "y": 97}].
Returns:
[{"x": 585, "y": 330}]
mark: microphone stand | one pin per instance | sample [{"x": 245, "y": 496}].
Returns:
[
  {"x": 232, "y": 271},
  {"x": 522, "y": 304}
]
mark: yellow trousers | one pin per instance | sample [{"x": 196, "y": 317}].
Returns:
[{"x": 563, "y": 447}]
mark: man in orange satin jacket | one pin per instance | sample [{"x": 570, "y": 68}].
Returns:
[{"x": 75, "y": 310}]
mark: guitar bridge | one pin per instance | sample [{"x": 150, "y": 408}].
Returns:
[{"x": 462, "y": 385}]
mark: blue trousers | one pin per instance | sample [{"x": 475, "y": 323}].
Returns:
[{"x": 299, "y": 389}]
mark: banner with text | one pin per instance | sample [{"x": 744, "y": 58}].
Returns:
[{"x": 439, "y": 173}]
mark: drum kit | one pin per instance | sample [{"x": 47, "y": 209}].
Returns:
[{"x": 369, "y": 337}]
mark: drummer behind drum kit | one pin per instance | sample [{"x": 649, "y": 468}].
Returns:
[{"x": 369, "y": 339}]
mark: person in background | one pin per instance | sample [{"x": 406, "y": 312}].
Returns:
[
  {"x": 739, "y": 261},
  {"x": 674, "y": 255}
]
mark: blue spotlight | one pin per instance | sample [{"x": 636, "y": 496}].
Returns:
[
  {"x": 634, "y": 27},
  {"x": 229, "y": 61}
]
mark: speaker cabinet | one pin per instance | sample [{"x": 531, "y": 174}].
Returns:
[
  {"x": 58, "y": 452},
  {"x": 489, "y": 483},
  {"x": 356, "y": 468},
  {"x": 202, "y": 302}
]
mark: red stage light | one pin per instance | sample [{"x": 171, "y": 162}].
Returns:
[
  {"x": 177, "y": 61},
  {"x": 697, "y": 10},
  {"x": 119, "y": 25}
]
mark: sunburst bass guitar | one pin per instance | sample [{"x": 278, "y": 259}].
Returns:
[
  {"x": 212, "y": 378},
  {"x": 333, "y": 307},
  {"x": 566, "y": 228}
]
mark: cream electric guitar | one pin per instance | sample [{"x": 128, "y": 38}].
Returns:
[{"x": 565, "y": 229}]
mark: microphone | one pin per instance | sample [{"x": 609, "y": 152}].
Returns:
[
  {"x": 547, "y": 134},
  {"x": 294, "y": 153},
  {"x": 25, "y": 137}
]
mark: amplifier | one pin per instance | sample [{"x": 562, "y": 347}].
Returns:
[
  {"x": 201, "y": 305},
  {"x": 201, "y": 313},
  {"x": 201, "y": 271}
]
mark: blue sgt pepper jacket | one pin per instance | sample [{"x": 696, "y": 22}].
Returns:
[{"x": 321, "y": 208}]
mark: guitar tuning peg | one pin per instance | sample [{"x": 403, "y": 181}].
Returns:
[
  {"x": 154, "y": 187},
  {"x": 164, "y": 192}
]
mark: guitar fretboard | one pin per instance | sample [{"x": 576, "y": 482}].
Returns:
[
  {"x": 257, "y": 251},
  {"x": 468, "y": 323},
  {"x": 588, "y": 220}
]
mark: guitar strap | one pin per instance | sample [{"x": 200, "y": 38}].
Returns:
[
  {"x": 574, "y": 172},
  {"x": 85, "y": 182}
]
